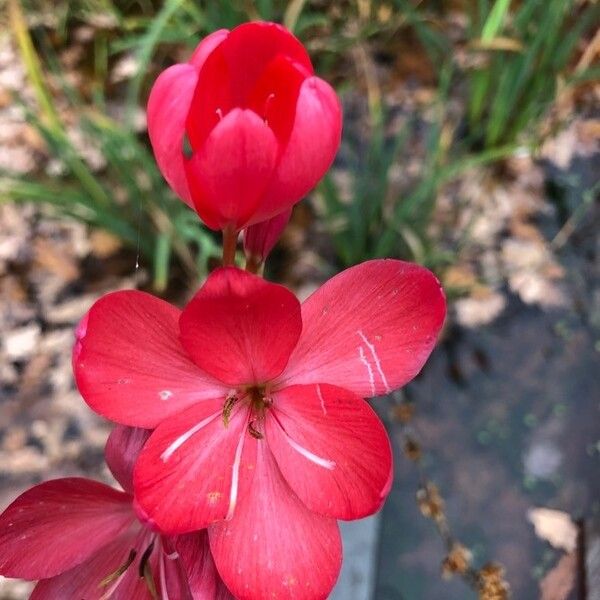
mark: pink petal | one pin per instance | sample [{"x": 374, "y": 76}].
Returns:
[
  {"x": 212, "y": 98},
  {"x": 205, "y": 48},
  {"x": 274, "y": 95},
  {"x": 202, "y": 576},
  {"x": 194, "y": 467},
  {"x": 332, "y": 450},
  {"x": 274, "y": 547},
  {"x": 228, "y": 174},
  {"x": 168, "y": 106},
  {"x": 252, "y": 46},
  {"x": 173, "y": 576},
  {"x": 86, "y": 580},
  {"x": 313, "y": 143},
  {"x": 59, "y": 524},
  {"x": 260, "y": 239},
  {"x": 121, "y": 451},
  {"x": 129, "y": 364},
  {"x": 241, "y": 328},
  {"x": 369, "y": 329}
]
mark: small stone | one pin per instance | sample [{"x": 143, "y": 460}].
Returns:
[{"x": 20, "y": 343}]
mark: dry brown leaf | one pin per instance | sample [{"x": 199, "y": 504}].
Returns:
[{"x": 559, "y": 582}]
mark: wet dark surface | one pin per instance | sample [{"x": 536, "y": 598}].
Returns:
[{"x": 508, "y": 417}]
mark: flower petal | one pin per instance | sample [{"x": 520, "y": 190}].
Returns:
[
  {"x": 331, "y": 448},
  {"x": 227, "y": 190},
  {"x": 168, "y": 107},
  {"x": 121, "y": 451},
  {"x": 274, "y": 547},
  {"x": 260, "y": 239},
  {"x": 202, "y": 576},
  {"x": 369, "y": 329},
  {"x": 59, "y": 524},
  {"x": 250, "y": 47},
  {"x": 193, "y": 468},
  {"x": 88, "y": 580},
  {"x": 240, "y": 328},
  {"x": 312, "y": 145},
  {"x": 129, "y": 364},
  {"x": 212, "y": 98},
  {"x": 206, "y": 47},
  {"x": 274, "y": 95}
]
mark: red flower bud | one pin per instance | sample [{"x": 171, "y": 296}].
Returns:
[
  {"x": 261, "y": 128},
  {"x": 259, "y": 239}
]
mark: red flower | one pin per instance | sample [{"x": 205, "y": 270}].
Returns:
[
  {"x": 261, "y": 430},
  {"x": 262, "y": 128},
  {"x": 83, "y": 539}
]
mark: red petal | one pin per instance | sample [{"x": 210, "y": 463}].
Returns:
[
  {"x": 212, "y": 98},
  {"x": 193, "y": 468},
  {"x": 251, "y": 47},
  {"x": 275, "y": 94},
  {"x": 59, "y": 524},
  {"x": 369, "y": 329},
  {"x": 86, "y": 580},
  {"x": 313, "y": 143},
  {"x": 332, "y": 450},
  {"x": 122, "y": 449},
  {"x": 206, "y": 47},
  {"x": 227, "y": 190},
  {"x": 241, "y": 328},
  {"x": 173, "y": 577},
  {"x": 168, "y": 106},
  {"x": 129, "y": 363},
  {"x": 259, "y": 239},
  {"x": 274, "y": 547},
  {"x": 202, "y": 576},
  {"x": 232, "y": 70}
]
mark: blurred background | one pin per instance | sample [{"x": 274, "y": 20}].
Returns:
[{"x": 471, "y": 145}]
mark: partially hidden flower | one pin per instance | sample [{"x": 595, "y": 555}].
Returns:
[
  {"x": 260, "y": 128},
  {"x": 260, "y": 239},
  {"x": 84, "y": 539},
  {"x": 262, "y": 434}
]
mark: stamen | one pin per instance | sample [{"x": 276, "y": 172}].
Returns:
[
  {"x": 228, "y": 407},
  {"x": 145, "y": 571},
  {"x": 120, "y": 570},
  {"x": 144, "y": 559},
  {"x": 116, "y": 577},
  {"x": 254, "y": 432},
  {"x": 219, "y": 113},
  {"x": 267, "y": 102}
]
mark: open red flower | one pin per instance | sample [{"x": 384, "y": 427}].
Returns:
[
  {"x": 262, "y": 433},
  {"x": 262, "y": 128},
  {"x": 83, "y": 539}
]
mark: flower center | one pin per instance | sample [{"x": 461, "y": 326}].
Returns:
[{"x": 253, "y": 398}]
